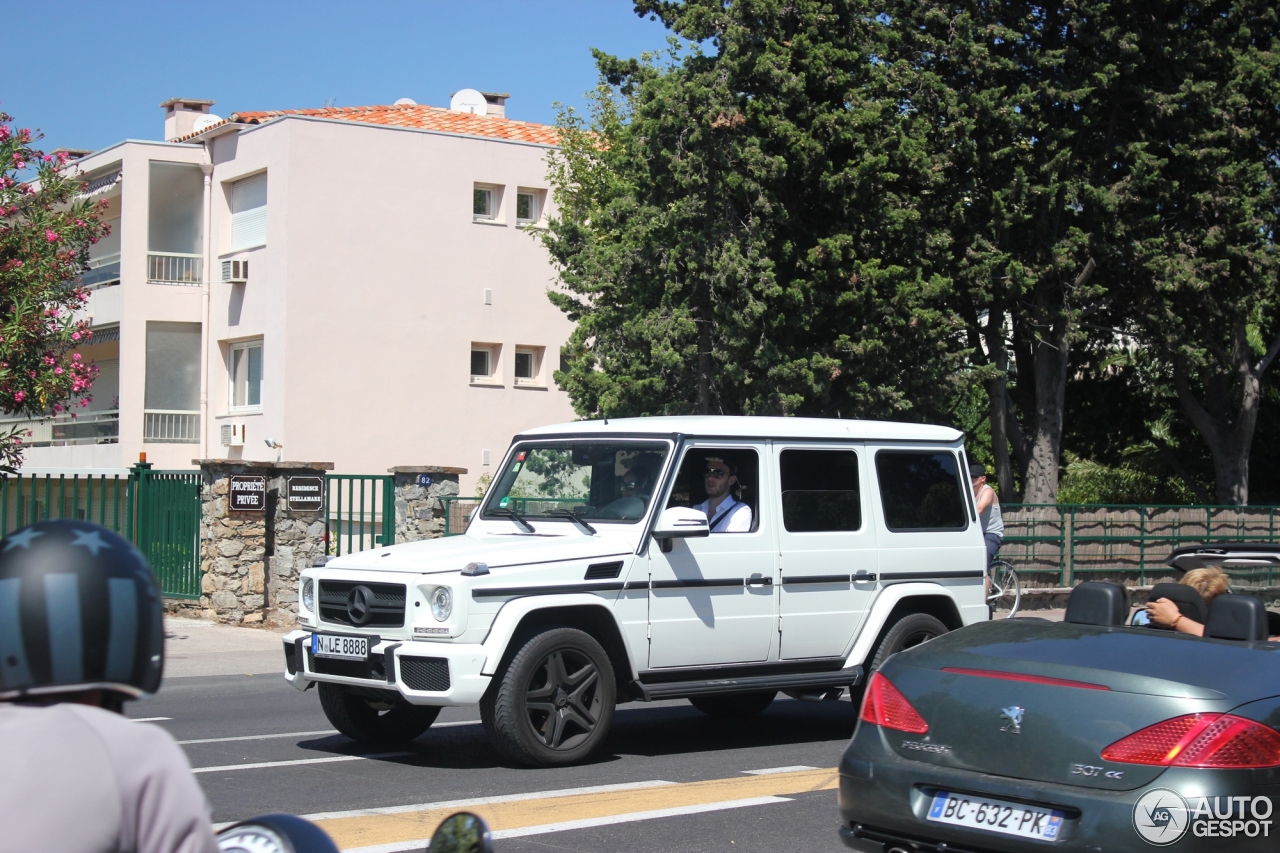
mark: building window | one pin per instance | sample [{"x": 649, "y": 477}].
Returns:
[
  {"x": 171, "y": 402},
  {"x": 528, "y": 365},
  {"x": 526, "y": 207},
  {"x": 249, "y": 212},
  {"x": 484, "y": 204},
  {"x": 245, "y": 392},
  {"x": 485, "y": 364}
]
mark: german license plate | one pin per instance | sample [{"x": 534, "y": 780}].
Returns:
[
  {"x": 996, "y": 816},
  {"x": 334, "y": 646}
]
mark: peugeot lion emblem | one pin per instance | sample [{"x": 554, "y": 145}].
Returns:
[
  {"x": 1013, "y": 720},
  {"x": 359, "y": 604}
]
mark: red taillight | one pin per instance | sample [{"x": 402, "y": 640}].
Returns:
[
  {"x": 1019, "y": 676},
  {"x": 1200, "y": 740},
  {"x": 885, "y": 706}
]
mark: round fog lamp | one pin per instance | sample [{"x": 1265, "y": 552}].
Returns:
[
  {"x": 308, "y": 594},
  {"x": 441, "y": 603}
]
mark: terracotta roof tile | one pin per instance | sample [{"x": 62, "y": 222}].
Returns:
[{"x": 415, "y": 116}]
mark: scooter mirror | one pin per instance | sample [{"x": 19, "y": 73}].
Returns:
[
  {"x": 275, "y": 833},
  {"x": 462, "y": 833}
]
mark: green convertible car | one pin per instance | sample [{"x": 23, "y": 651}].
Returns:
[{"x": 1081, "y": 735}]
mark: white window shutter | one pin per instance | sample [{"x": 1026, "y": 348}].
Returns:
[{"x": 249, "y": 212}]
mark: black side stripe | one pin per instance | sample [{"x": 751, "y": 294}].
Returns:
[
  {"x": 816, "y": 579},
  {"x": 701, "y": 582},
  {"x": 931, "y": 576},
  {"x": 499, "y": 592},
  {"x": 637, "y": 585}
]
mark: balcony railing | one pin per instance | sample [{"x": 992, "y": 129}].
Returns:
[
  {"x": 102, "y": 272},
  {"x": 87, "y": 428},
  {"x": 171, "y": 426},
  {"x": 174, "y": 268}
]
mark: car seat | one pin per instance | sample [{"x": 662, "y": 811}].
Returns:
[
  {"x": 1190, "y": 602},
  {"x": 1237, "y": 617},
  {"x": 1097, "y": 603}
]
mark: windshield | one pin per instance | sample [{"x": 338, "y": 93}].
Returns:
[{"x": 598, "y": 481}]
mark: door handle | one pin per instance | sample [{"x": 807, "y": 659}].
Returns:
[
  {"x": 758, "y": 581},
  {"x": 864, "y": 577}
]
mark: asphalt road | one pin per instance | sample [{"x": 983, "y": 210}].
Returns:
[{"x": 668, "y": 778}]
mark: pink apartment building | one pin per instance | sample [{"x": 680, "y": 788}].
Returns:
[{"x": 360, "y": 285}]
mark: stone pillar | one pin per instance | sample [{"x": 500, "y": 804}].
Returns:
[
  {"x": 249, "y": 567},
  {"x": 419, "y": 510}
]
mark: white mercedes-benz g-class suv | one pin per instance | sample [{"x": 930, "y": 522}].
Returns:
[{"x": 720, "y": 559}]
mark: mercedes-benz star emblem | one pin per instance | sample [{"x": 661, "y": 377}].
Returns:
[
  {"x": 360, "y": 605},
  {"x": 1013, "y": 720}
]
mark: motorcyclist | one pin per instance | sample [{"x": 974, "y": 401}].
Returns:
[{"x": 81, "y": 632}]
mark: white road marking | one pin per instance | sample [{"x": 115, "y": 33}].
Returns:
[
  {"x": 419, "y": 843},
  {"x": 791, "y": 768},
  {"x": 148, "y": 719},
  {"x": 301, "y": 734},
  {"x": 484, "y": 801},
  {"x": 329, "y": 760}
]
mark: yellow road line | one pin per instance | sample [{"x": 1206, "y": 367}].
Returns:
[{"x": 371, "y": 830}]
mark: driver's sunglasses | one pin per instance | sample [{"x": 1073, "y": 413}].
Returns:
[
  {"x": 715, "y": 474},
  {"x": 630, "y": 484}
]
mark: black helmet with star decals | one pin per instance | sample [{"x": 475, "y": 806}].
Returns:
[{"x": 79, "y": 610}]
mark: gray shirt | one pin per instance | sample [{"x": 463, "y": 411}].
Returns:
[
  {"x": 990, "y": 518},
  {"x": 79, "y": 779}
]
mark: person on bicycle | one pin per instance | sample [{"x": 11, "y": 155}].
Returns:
[
  {"x": 81, "y": 632},
  {"x": 989, "y": 517}
]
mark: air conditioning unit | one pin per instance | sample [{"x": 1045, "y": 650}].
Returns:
[
  {"x": 235, "y": 272},
  {"x": 233, "y": 435}
]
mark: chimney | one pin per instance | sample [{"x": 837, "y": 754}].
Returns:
[
  {"x": 180, "y": 116},
  {"x": 497, "y": 102}
]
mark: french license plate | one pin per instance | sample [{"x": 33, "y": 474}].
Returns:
[
  {"x": 996, "y": 816},
  {"x": 333, "y": 646}
]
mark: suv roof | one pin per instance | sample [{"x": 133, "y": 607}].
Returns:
[{"x": 729, "y": 426}]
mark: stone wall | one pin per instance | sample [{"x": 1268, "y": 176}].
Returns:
[
  {"x": 419, "y": 510},
  {"x": 249, "y": 569}
]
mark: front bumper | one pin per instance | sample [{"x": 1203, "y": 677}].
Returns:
[
  {"x": 423, "y": 673},
  {"x": 884, "y": 799}
]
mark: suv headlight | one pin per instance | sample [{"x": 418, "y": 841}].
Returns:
[
  {"x": 309, "y": 594},
  {"x": 441, "y": 603}
]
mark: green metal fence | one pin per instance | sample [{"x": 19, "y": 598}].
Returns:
[
  {"x": 1059, "y": 544},
  {"x": 360, "y": 512},
  {"x": 158, "y": 511}
]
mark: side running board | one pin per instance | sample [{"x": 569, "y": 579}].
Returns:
[{"x": 747, "y": 684}]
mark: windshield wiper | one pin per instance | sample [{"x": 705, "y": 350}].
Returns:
[
  {"x": 514, "y": 516},
  {"x": 573, "y": 515}
]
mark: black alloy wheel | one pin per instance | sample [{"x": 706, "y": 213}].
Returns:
[
  {"x": 370, "y": 717},
  {"x": 553, "y": 703}
]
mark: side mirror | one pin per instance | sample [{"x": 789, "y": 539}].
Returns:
[
  {"x": 462, "y": 833},
  {"x": 275, "y": 833},
  {"x": 681, "y": 522}
]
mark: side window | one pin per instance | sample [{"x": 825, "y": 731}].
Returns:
[
  {"x": 820, "y": 491},
  {"x": 722, "y": 482},
  {"x": 921, "y": 490}
]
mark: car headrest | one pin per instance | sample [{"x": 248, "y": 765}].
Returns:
[
  {"x": 1190, "y": 603},
  {"x": 1098, "y": 603},
  {"x": 1237, "y": 617}
]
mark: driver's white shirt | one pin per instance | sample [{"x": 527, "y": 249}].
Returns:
[{"x": 735, "y": 516}]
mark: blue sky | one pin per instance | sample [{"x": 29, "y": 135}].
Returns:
[{"x": 93, "y": 73}]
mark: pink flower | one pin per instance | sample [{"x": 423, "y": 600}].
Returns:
[
  {"x": 20, "y": 396},
  {"x": 75, "y": 336},
  {"x": 4, "y": 132},
  {"x": 51, "y": 235},
  {"x": 84, "y": 403},
  {"x": 80, "y": 223},
  {"x": 57, "y": 407},
  {"x": 57, "y": 371},
  {"x": 74, "y": 356},
  {"x": 48, "y": 158}
]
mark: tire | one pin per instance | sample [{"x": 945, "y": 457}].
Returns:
[
  {"x": 909, "y": 631},
  {"x": 1005, "y": 592},
  {"x": 368, "y": 720},
  {"x": 552, "y": 704},
  {"x": 734, "y": 706}
]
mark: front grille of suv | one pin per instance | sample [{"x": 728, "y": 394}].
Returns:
[
  {"x": 386, "y": 607},
  {"x": 425, "y": 673}
]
